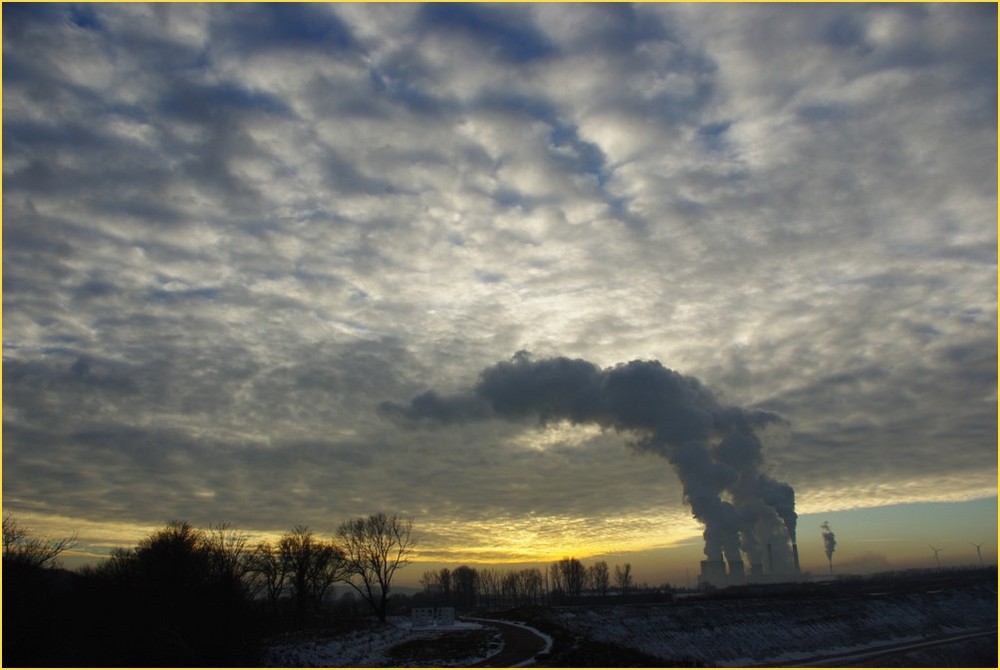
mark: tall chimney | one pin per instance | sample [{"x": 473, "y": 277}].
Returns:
[
  {"x": 795, "y": 557},
  {"x": 770, "y": 560}
]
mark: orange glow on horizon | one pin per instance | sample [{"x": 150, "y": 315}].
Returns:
[{"x": 528, "y": 538}]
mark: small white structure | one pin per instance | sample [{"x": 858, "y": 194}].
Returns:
[
  {"x": 421, "y": 616},
  {"x": 426, "y": 617},
  {"x": 444, "y": 616}
]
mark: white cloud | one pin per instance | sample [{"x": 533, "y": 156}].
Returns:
[{"x": 256, "y": 232}]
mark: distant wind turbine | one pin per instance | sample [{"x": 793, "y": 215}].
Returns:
[
  {"x": 936, "y": 552},
  {"x": 978, "y": 552}
]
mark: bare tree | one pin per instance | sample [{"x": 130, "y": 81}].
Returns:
[
  {"x": 574, "y": 576},
  {"x": 489, "y": 587},
  {"x": 510, "y": 587},
  {"x": 311, "y": 565},
  {"x": 465, "y": 586},
  {"x": 623, "y": 577},
  {"x": 374, "y": 548},
  {"x": 555, "y": 575},
  {"x": 227, "y": 556},
  {"x": 267, "y": 574},
  {"x": 599, "y": 577},
  {"x": 437, "y": 584},
  {"x": 429, "y": 581},
  {"x": 22, "y": 549},
  {"x": 533, "y": 585},
  {"x": 444, "y": 580}
]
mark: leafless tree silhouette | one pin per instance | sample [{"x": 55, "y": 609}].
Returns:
[
  {"x": 599, "y": 577},
  {"x": 311, "y": 565},
  {"x": 374, "y": 548},
  {"x": 23, "y": 549},
  {"x": 623, "y": 577}
]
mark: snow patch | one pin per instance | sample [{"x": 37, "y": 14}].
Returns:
[
  {"x": 368, "y": 648},
  {"x": 751, "y": 632}
]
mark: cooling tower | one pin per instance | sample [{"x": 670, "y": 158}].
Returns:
[
  {"x": 713, "y": 572},
  {"x": 736, "y": 572}
]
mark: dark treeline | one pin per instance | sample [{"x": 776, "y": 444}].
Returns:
[
  {"x": 566, "y": 582},
  {"x": 184, "y": 596}
]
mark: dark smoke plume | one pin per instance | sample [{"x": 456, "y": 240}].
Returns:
[
  {"x": 712, "y": 447},
  {"x": 829, "y": 543}
]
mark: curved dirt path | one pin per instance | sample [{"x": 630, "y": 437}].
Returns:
[{"x": 520, "y": 645}]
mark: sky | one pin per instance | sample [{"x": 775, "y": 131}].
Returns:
[{"x": 241, "y": 242}]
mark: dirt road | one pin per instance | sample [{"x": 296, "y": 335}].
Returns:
[{"x": 520, "y": 645}]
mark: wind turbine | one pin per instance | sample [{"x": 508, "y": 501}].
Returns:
[
  {"x": 978, "y": 552},
  {"x": 936, "y": 552}
]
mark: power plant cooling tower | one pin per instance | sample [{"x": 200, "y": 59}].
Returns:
[
  {"x": 713, "y": 572},
  {"x": 736, "y": 572}
]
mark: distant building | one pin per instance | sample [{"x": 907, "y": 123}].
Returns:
[
  {"x": 430, "y": 617},
  {"x": 421, "y": 617}
]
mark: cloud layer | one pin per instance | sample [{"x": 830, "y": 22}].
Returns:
[{"x": 232, "y": 231}]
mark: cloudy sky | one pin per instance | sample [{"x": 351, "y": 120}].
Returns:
[{"x": 233, "y": 235}]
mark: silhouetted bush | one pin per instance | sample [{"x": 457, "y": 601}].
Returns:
[
  {"x": 178, "y": 598},
  {"x": 182, "y": 596}
]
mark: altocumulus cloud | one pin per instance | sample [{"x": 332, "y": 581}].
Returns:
[{"x": 232, "y": 232}]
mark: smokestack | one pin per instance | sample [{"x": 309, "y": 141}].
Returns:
[
  {"x": 795, "y": 558},
  {"x": 829, "y": 542},
  {"x": 770, "y": 560},
  {"x": 712, "y": 447}
]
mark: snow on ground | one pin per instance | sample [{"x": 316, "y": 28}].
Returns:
[
  {"x": 369, "y": 648},
  {"x": 406, "y": 624},
  {"x": 520, "y": 624},
  {"x": 545, "y": 650},
  {"x": 752, "y": 631}
]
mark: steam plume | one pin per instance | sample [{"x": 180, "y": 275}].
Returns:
[
  {"x": 712, "y": 447},
  {"x": 829, "y": 542}
]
